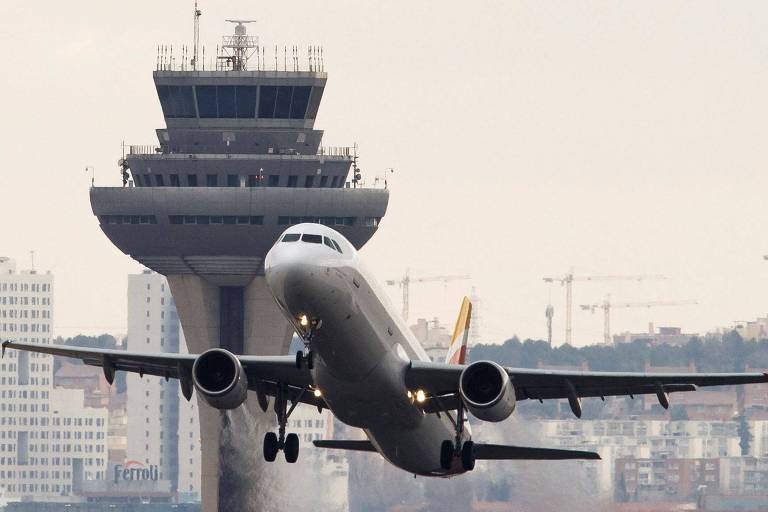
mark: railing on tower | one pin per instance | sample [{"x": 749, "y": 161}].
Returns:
[{"x": 240, "y": 52}]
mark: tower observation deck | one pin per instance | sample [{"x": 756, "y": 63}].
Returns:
[{"x": 238, "y": 161}]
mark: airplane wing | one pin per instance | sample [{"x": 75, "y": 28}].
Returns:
[
  {"x": 263, "y": 371},
  {"x": 441, "y": 381}
]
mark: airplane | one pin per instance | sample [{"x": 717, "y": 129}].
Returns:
[{"x": 362, "y": 362}]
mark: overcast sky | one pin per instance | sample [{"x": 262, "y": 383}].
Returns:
[{"x": 617, "y": 137}]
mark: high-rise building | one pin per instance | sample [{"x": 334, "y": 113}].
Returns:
[
  {"x": 163, "y": 428},
  {"x": 49, "y": 441},
  {"x": 238, "y": 161}
]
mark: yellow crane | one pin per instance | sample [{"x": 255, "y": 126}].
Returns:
[
  {"x": 405, "y": 284},
  {"x": 607, "y": 305},
  {"x": 568, "y": 279}
]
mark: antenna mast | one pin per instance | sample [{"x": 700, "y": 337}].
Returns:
[{"x": 196, "y": 37}]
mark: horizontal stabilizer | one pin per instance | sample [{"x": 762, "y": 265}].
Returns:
[
  {"x": 502, "y": 452},
  {"x": 356, "y": 446}
]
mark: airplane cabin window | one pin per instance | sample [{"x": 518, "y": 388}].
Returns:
[
  {"x": 312, "y": 239},
  {"x": 327, "y": 241},
  {"x": 291, "y": 237},
  {"x": 337, "y": 246}
]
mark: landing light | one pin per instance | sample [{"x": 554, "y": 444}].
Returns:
[
  {"x": 420, "y": 396},
  {"x": 318, "y": 393},
  {"x": 303, "y": 320}
]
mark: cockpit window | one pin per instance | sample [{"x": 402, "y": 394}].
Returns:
[
  {"x": 327, "y": 241},
  {"x": 337, "y": 246},
  {"x": 312, "y": 239},
  {"x": 291, "y": 237}
]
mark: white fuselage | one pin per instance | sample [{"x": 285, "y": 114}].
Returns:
[{"x": 361, "y": 346}]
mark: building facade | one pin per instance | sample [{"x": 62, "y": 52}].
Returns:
[
  {"x": 49, "y": 441},
  {"x": 162, "y": 427}
]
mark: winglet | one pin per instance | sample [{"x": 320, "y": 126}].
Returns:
[
  {"x": 5, "y": 343},
  {"x": 457, "y": 350}
]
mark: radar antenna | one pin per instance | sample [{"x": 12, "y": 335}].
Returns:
[
  {"x": 239, "y": 47},
  {"x": 196, "y": 37}
]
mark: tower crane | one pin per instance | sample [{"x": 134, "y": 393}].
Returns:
[
  {"x": 406, "y": 281},
  {"x": 567, "y": 281},
  {"x": 607, "y": 305}
]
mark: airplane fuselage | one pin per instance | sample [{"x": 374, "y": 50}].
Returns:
[{"x": 361, "y": 347}]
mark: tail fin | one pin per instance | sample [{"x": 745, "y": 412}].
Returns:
[{"x": 457, "y": 350}]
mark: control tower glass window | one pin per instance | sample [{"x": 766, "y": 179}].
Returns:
[
  {"x": 177, "y": 101},
  {"x": 225, "y": 100},
  {"x": 283, "y": 102},
  {"x": 299, "y": 102},
  {"x": 206, "y": 101},
  {"x": 246, "y": 101}
]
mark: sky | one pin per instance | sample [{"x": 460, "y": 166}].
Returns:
[{"x": 527, "y": 137}]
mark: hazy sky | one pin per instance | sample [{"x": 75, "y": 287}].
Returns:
[{"x": 618, "y": 137}]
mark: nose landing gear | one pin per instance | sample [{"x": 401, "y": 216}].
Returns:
[
  {"x": 289, "y": 444},
  {"x": 306, "y": 356}
]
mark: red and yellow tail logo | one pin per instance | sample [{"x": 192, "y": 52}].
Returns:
[{"x": 457, "y": 351}]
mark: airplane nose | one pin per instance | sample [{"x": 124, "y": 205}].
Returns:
[{"x": 288, "y": 272}]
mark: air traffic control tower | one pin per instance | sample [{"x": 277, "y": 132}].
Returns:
[{"x": 238, "y": 162}]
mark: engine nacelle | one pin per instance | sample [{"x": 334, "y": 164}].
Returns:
[
  {"x": 487, "y": 391},
  {"x": 220, "y": 379}
]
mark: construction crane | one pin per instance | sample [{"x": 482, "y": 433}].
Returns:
[
  {"x": 406, "y": 281},
  {"x": 607, "y": 305},
  {"x": 567, "y": 281},
  {"x": 549, "y": 313}
]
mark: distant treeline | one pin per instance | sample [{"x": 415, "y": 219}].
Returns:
[
  {"x": 104, "y": 341},
  {"x": 726, "y": 354}
]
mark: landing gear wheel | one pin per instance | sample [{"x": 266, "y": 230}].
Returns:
[
  {"x": 446, "y": 454},
  {"x": 291, "y": 448},
  {"x": 310, "y": 359},
  {"x": 299, "y": 359},
  {"x": 271, "y": 446},
  {"x": 468, "y": 456}
]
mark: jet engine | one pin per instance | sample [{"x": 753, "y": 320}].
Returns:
[
  {"x": 220, "y": 379},
  {"x": 487, "y": 391}
]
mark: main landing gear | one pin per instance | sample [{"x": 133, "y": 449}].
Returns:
[
  {"x": 464, "y": 451},
  {"x": 274, "y": 443}
]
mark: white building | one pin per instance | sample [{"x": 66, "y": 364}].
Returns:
[
  {"x": 49, "y": 442},
  {"x": 641, "y": 439},
  {"x": 163, "y": 427}
]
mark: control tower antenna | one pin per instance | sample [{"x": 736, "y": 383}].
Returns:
[
  {"x": 196, "y": 37},
  {"x": 239, "y": 47}
]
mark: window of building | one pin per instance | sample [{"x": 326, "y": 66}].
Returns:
[
  {"x": 274, "y": 180},
  {"x": 293, "y": 181},
  {"x": 174, "y": 180},
  {"x": 206, "y": 101},
  {"x": 159, "y": 180},
  {"x": 176, "y": 101},
  {"x": 246, "y": 101},
  {"x": 299, "y": 101},
  {"x": 267, "y": 96},
  {"x": 233, "y": 180},
  {"x": 212, "y": 180},
  {"x": 191, "y": 180},
  {"x": 334, "y": 182},
  {"x": 308, "y": 181},
  {"x": 323, "y": 181}
]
